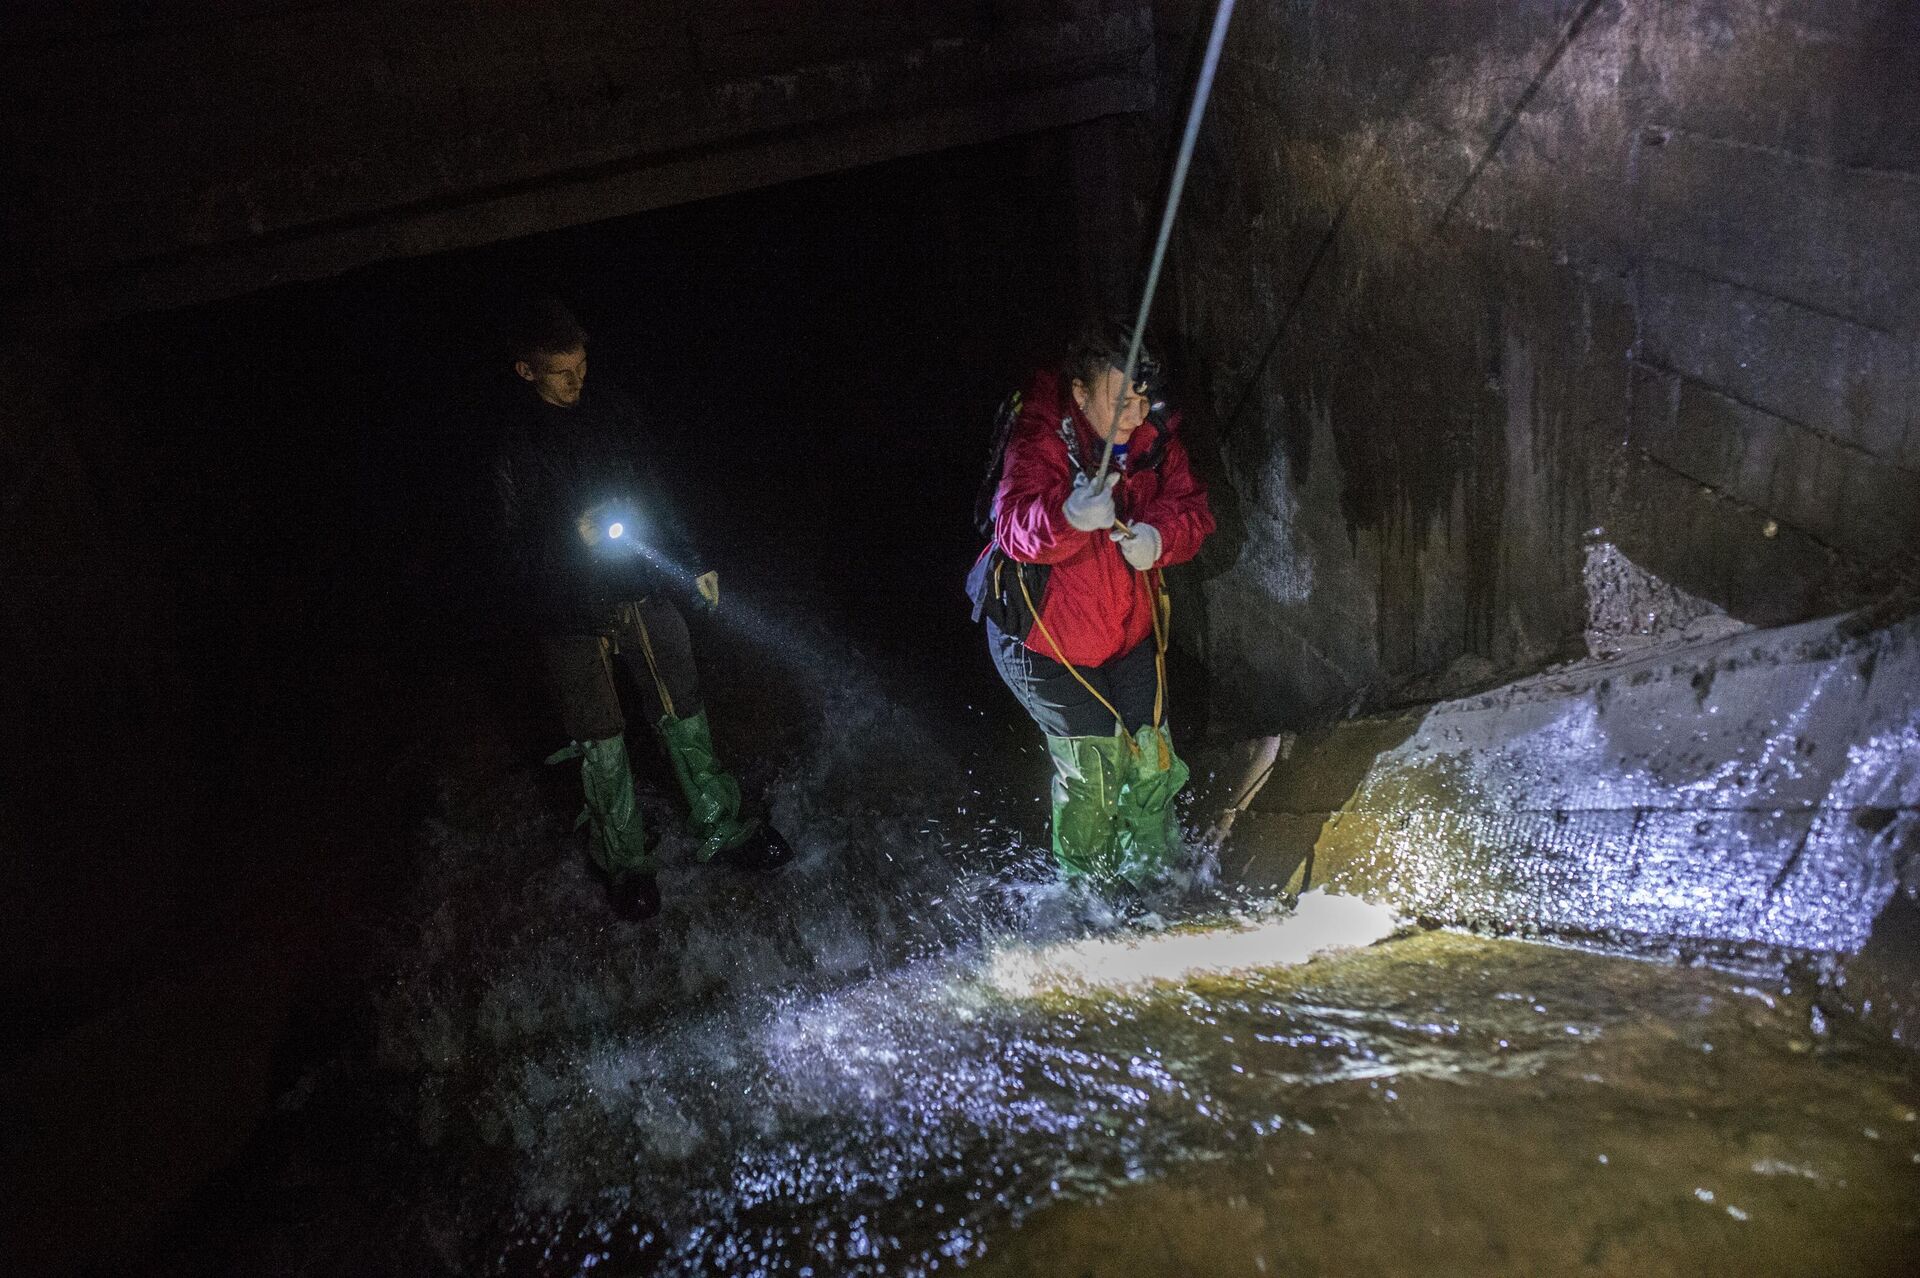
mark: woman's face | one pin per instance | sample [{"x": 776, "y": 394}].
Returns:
[{"x": 1096, "y": 401}]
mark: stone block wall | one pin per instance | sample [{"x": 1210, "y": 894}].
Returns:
[{"x": 1467, "y": 290}]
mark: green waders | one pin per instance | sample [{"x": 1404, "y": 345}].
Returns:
[
  {"x": 617, "y": 841},
  {"x": 1113, "y": 814},
  {"x": 713, "y": 796}
]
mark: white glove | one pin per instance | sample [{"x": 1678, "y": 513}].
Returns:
[
  {"x": 1089, "y": 507},
  {"x": 1141, "y": 546}
]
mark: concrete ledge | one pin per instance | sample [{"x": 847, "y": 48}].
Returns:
[{"x": 1760, "y": 788}]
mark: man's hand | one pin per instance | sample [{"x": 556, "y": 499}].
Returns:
[
  {"x": 1140, "y": 544},
  {"x": 591, "y": 524},
  {"x": 708, "y": 584},
  {"x": 1089, "y": 507}
]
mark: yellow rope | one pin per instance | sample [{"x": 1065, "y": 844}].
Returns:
[
  {"x": 1162, "y": 630},
  {"x": 1162, "y": 633}
]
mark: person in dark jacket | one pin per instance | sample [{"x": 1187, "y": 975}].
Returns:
[
  {"x": 599, "y": 567},
  {"x": 1078, "y": 566}
]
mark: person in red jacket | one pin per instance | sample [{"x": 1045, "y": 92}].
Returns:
[{"x": 1075, "y": 606}]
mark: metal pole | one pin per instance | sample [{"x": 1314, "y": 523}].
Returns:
[{"x": 1201, "y": 91}]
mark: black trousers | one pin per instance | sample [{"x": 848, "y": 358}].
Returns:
[
  {"x": 1054, "y": 699},
  {"x": 580, "y": 668}
]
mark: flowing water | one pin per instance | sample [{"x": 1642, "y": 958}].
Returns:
[
  {"x": 1436, "y": 1103},
  {"x": 1137, "y": 1103},
  {"x": 913, "y": 1054}
]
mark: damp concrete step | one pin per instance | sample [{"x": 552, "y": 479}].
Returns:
[{"x": 1760, "y": 788}]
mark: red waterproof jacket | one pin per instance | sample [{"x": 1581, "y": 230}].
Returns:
[{"x": 1097, "y": 606}]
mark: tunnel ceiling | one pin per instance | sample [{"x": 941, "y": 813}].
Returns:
[{"x": 199, "y": 151}]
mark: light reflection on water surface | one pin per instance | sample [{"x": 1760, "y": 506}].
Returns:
[{"x": 1435, "y": 1103}]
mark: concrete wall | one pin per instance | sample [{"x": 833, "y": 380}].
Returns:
[
  {"x": 1471, "y": 291},
  {"x": 157, "y": 155}
]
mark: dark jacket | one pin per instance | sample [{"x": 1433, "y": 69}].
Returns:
[{"x": 554, "y": 464}]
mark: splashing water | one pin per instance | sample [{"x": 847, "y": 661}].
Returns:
[
  {"x": 914, "y": 1119},
  {"x": 914, "y": 1052}
]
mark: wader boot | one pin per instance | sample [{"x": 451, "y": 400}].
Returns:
[
  {"x": 1147, "y": 835},
  {"x": 1087, "y": 776},
  {"x": 713, "y": 799},
  {"x": 616, "y": 839}
]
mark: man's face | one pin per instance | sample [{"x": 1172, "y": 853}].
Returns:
[
  {"x": 1097, "y": 399},
  {"x": 556, "y": 378}
]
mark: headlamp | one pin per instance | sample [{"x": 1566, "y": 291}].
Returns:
[{"x": 1146, "y": 383}]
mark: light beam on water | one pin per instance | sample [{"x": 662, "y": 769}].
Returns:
[{"x": 1322, "y": 923}]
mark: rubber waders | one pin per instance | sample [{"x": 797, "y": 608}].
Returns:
[
  {"x": 1113, "y": 816},
  {"x": 713, "y": 796},
  {"x": 1087, "y": 774},
  {"x": 1147, "y": 835},
  {"x": 617, "y": 843}
]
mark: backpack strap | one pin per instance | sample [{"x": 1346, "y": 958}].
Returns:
[
  {"x": 1003, "y": 422},
  {"x": 1071, "y": 438}
]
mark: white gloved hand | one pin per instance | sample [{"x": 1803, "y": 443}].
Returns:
[
  {"x": 1141, "y": 545},
  {"x": 1089, "y": 506}
]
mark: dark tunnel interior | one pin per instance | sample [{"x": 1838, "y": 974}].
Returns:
[
  {"x": 309, "y": 469},
  {"x": 1541, "y": 764},
  {"x": 240, "y": 786}
]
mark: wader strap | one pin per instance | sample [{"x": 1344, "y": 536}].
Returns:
[
  {"x": 630, "y": 612},
  {"x": 1162, "y": 630},
  {"x": 608, "y": 646}
]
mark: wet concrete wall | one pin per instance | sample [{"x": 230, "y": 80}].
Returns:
[
  {"x": 1468, "y": 291},
  {"x": 166, "y": 154}
]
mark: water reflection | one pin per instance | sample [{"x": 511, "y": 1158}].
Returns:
[{"x": 1430, "y": 1103}]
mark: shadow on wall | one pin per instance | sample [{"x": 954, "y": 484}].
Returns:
[{"x": 1285, "y": 793}]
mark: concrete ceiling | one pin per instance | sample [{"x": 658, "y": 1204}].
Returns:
[{"x": 189, "y": 153}]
